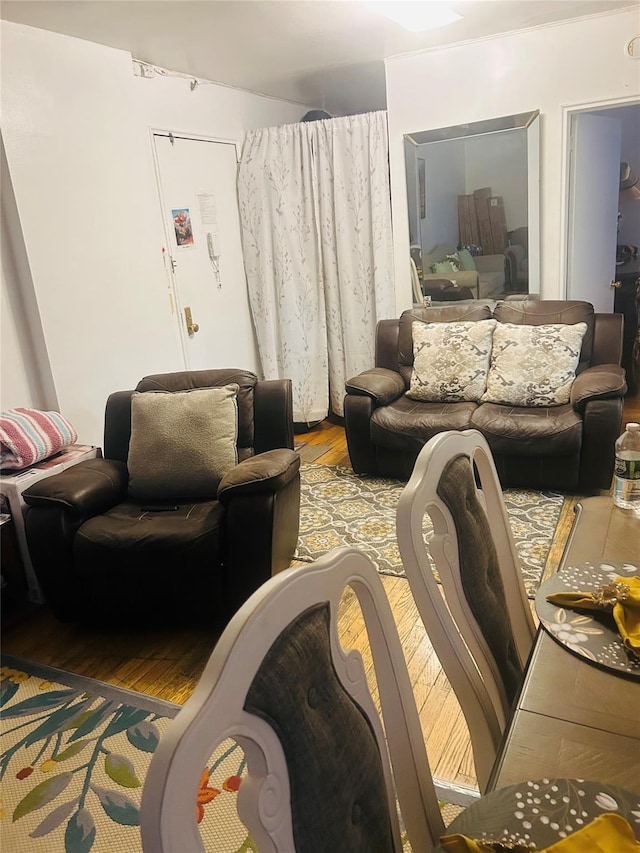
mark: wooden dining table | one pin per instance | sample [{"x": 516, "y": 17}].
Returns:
[{"x": 572, "y": 718}]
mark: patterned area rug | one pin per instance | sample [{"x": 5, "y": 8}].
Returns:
[
  {"x": 74, "y": 754},
  {"x": 340, "y": 508}
]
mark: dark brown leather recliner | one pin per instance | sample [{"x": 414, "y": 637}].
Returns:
[
  {"x": 568, "y": 447},
  {"x": 99, "y": 554}
]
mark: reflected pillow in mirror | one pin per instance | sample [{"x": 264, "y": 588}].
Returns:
[
  {"x": 533, "y": 365},
  {"x": 466, "y": 259},
  {"x": 444, "y": 267},
  {"x": 182, "y": 442},
  {"x": 450, "y": 360}
]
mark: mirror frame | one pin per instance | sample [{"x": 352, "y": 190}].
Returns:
[{"x": 529, "y": 121}]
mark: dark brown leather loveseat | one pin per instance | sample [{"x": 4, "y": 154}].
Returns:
[
  {"x": 100, "y": 553},
  {"x": 568, "y": 447}
]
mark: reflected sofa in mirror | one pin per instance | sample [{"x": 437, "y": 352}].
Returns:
[{"x": 469, "y": 189}]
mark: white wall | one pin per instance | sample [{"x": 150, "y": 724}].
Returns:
[
  {"x": 444, "y": 182},
  {"x": 75, "y": 124},
  {"x": 547, "y": 68}
]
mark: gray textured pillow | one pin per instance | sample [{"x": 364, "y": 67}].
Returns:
[
  {"x": 450, "y": 360},
  {"x": 182, "y": 442},
  {"x": 533, "y": 365}
]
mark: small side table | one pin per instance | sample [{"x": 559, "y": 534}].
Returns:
[{"x": 12, "y": 487}]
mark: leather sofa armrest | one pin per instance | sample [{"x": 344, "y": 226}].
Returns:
[
  {"x": 607, "y": 339},
  {"x": 266, "y": 472},
  {"x": 380, "y": 384},
  {"x": 273, "y": 415},
  {"x": 603, "y": 382},
  {"x": 517, "y": 252},
  {"x": 86, "y": 489}
]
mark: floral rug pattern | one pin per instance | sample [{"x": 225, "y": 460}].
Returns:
[
  {"x": 73, "y": 758},
  {"x": 340, "y": 508}
]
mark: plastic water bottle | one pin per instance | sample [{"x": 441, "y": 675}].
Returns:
[{"x": 627, "y": 480}]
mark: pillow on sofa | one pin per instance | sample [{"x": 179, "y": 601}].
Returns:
[
  {"x": 466, "y": 259},
  {"x": 28, "y": 436},
  {"x": 450, "y": 360},
  {"x": 533, "y": 365},
  {"x": 182, "y": 442},
  {"x": 444, "y": 268}
]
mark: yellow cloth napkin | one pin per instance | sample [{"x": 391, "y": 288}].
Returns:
[
  {"x": 608, "y": 833},
  {"x": 623, "y": 596}
]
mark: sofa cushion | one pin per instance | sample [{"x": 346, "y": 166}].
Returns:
[
  {"x": 450, "y": 361},
  {"x": 533, "y": 365},
  {"x": 182, "y": 442},
  {"x": 407, "y": 424},
  {"x": 522, "y": 431}
]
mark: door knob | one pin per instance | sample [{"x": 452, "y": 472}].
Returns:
[
  {"x": 192, "y": 327},
  {"x": 615, "y": 284}
]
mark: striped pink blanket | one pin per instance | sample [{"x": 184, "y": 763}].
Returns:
[{"x": 27, "y": 436}]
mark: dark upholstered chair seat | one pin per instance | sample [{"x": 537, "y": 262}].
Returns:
[
  {"x": 147, "y": 556},
  {"x": 511, "y": 430},
  {"x": 127, "y": 533}
]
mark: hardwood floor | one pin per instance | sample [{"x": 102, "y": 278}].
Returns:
[{"x": 168, "y": 662}]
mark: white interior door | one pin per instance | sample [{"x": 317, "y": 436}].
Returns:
[
  {"x": 198, "y": 199},
  {"x": 594, "y": 181}
]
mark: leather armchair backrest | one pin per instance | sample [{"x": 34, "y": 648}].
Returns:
[
  {"x": 541, "y": 312},
  {"x": 117, "y": 430}
]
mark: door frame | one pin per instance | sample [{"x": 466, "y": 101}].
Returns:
[
  {"x": 172, "y": 282},
  {"x": 568, "y": 112}
]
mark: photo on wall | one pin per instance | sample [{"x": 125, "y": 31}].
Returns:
[{"x": 182, "y": 224}]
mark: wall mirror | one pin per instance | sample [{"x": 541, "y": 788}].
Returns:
[{"x": 477, "y": 186}]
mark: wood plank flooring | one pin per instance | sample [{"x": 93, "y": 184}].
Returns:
[{"x": 168, "y": 662}]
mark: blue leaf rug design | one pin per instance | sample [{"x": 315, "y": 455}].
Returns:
[{"x": 74, "y": 754}]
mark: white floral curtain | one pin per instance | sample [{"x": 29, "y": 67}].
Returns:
[{"x": 315, "y": 212}]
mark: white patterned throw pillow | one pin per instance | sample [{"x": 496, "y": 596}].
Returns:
[
  {"x": 450, "y": 361},
  {"x": 533, "y": 365}
]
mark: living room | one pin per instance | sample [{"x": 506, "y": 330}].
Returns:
[{"x": 85, "y": 306}]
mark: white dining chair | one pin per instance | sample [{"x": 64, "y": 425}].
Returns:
[
  {"x": 478, "y": 617},
  {"x": 325, "y": 769},
  {"x": 415, "y": 283}
]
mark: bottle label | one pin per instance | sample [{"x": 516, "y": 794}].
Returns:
[{"x": 628, "y": 469}]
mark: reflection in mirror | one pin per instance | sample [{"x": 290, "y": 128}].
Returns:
[{"x": 474, "y": 207}]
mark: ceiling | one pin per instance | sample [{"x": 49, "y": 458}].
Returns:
[{"x": 323, "y": 53}]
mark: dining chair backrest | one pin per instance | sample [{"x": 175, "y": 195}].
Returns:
[
  {"x": 415, "y": 283},
  {"x": 324, "y": 766},
  {"x": 478, "y": 617}
]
